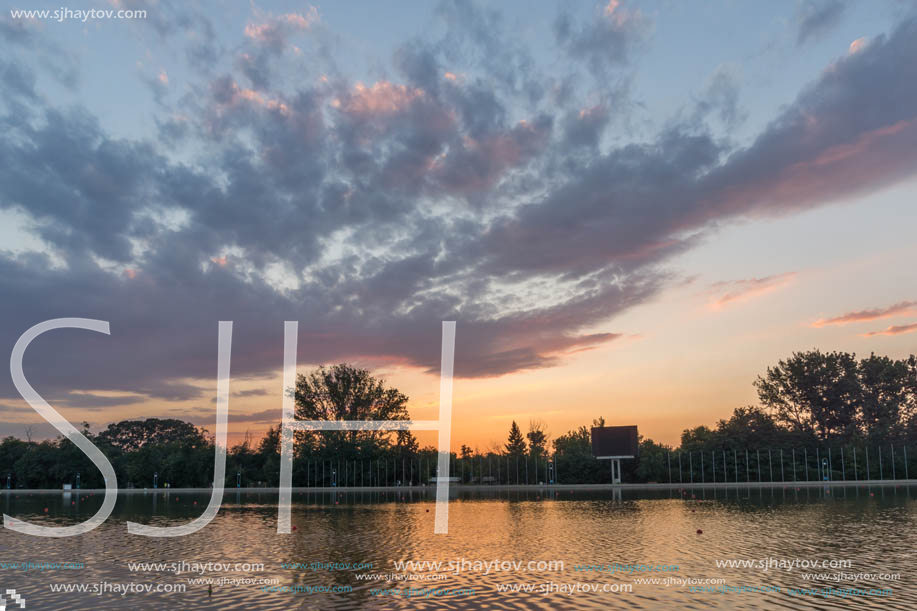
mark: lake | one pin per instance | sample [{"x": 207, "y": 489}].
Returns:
[{"x": 676, "y": 534}]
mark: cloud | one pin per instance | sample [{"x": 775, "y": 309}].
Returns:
[
  {"x": 273, "y": 416},
  {"x": 902, "y": 307},
  {"x": 253, "y": 392},
  {"x": 858, "y": 45},
  {"x": 380, "y": 99},
  {"x": 29, "y": 37},
  {"x": 720, "y": 98},
  {"x": 416, "y": 199},
  {"x": 606, "y": 40},
  {"x": 814, "y": 18},
  {"x": 91, "y": 401},
  {"x": 894, "y": 330},
  {"x": 743, "y": 290},
  {"x": 274, "y": 31},
  {"x": 181, "y": 26}
]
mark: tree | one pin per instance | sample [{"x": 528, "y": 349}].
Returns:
[
  {"x": 651, "y": 462},
  {"x": 749, "y": 427},
  {"x": 813, "y": 392},
  {"x": 538, "y": 439},
  {"x": 269, "y": 454},
  {"x": 345, "y": 392},
  {"x": 515, "y": 444},
  {"x": 696, "y": 439},
  {"x": 888, "y": 395},
  {"x": 575, "y": 463},
  {"x": 129, "y": 435}
]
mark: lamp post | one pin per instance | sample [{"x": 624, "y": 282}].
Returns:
[
  {"x": 551, "y": 472},
  {"x": 156, "y": 479},
  {"x": 334, "y": 478},
  {"x": 238, "y": 479},
  {"x": 8, "y": 476},
  {"x": 77, "y": 481}
]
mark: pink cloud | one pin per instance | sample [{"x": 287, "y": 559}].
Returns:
[
  {"x": 903, "y": 307},
  {"x": 383, "y": 98},
  {"x": 238, "y": 95},
  {"x": 274, "y": 29},
  {"x": 894, "y": 330},
  {"x": 743, "y": 290},
  {"x": 857, "y": 45}
]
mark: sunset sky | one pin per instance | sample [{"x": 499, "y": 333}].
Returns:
[{"x": 630, "y": 209}]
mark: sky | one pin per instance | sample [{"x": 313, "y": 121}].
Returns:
[{"x": 630, "y": 209}]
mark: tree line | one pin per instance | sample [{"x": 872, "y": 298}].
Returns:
[{"x": 812, "y": 401}]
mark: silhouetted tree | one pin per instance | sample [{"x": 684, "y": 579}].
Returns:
[
  {"x": 538, "y": 439},
  {"x": 515, "y": 444},
  {"x": 344, "y": 392},
  {"x": 888, "y": 390},
  {"x": 129, "y": 435},
  {"x": 813, "y": 392}
]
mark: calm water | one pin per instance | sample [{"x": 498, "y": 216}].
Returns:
[{"x": 872, "y": 527}]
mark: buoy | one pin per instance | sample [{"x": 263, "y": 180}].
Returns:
[
  {"x": 700, "y": 532},
  {"x": 46, "y": 510},
  {"x": 294, "y": 528},
  {"x": 428, "y": 511}
]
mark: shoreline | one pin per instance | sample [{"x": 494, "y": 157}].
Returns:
[{"x": 488, "y": 487}]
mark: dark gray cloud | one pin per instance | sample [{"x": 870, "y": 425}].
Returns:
[
  {"x": 814, "y": 18},
  {"x": 20, "y": 38},
  {"x": 605, "y": 40},
  {"x": 370, "y": 212},
  {"x": 174, "y": 21},
  {"x": 253, "y": 392},
  {"x": 91, "y": 401}
]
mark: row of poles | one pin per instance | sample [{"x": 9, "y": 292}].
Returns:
[
  {"x": 512, "y": 470},
  {"x": 717, "y": 467}
]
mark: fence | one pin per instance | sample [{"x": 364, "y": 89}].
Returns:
[
  {"x": 785, "y": 465},
  {"x": 417, "y": 471},
  {"x": 845, "y": 463}
]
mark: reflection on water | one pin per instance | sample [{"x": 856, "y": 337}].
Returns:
[{"x": 873, "y": 527}]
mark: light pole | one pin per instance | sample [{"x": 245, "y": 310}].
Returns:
[
  {"x": 238, "y": 479},
  {"x": 77, "y": 481},
  {"x": 156, "y": 479},
  {"x": 551, "y": 472},
  {"x": 8, "y": 475},
  {"x": 334, "y": 478}
]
